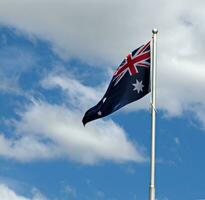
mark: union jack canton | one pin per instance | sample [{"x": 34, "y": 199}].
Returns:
[{"x": 138, "y": 58}]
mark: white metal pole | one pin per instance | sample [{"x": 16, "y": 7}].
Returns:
[{"x": 153, "y": 110}]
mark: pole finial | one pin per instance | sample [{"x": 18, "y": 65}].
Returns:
[{"x": 154, "y": 31}]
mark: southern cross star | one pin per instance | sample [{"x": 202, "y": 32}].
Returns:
[{"x": 138, "y": 86}]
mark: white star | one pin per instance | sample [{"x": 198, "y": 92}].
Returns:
[
  {"x": 138, "y": 86},
  {"x": 99, "y": 113}
]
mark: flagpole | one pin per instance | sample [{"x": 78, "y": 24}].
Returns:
[{"x": 153, "y": 113}]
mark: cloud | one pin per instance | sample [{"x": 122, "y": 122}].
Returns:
[
  {"x": 76, "y": 93},
  {"x": 62, "y": 127},
  {"x": 72, "y": 26},
  {"x": 86, "y": 32},
  {"x": 8, "y": 194},
  {"x": 47, "y": 131},
  {"x": 50, "y": 131},
  {"x": 12, "y": 69},
  {"x": 81, "y": 29},
  {"x": 26, "y": 148}
]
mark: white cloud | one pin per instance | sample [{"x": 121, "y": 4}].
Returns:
[
  {"x": 47, "y": 131},
  {"x": 78, "y": 94},
  {"x": 12, "y": 69},
  {"x": 37, "y": 195},
  {"x": 26, "y": 148},
  {"x": 104, "y": 31},
  {"x": 7, "y": 193},
  {"x": 81, "y": 28},
  {"x": 199, "y": 110},
  {"x": 62, "y": 127}
]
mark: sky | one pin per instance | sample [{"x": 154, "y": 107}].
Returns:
[{"x": 56, "y": 61}]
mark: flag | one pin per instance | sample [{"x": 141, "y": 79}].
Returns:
[{"x": 130, "y": 82}]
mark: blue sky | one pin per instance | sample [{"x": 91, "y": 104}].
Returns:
[{"x": 55, "y": 66}]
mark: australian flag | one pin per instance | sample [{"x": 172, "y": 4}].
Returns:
[{"x": 130, "y": 82}]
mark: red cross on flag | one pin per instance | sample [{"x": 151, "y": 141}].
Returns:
[{"x": 135, "y": 59}]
